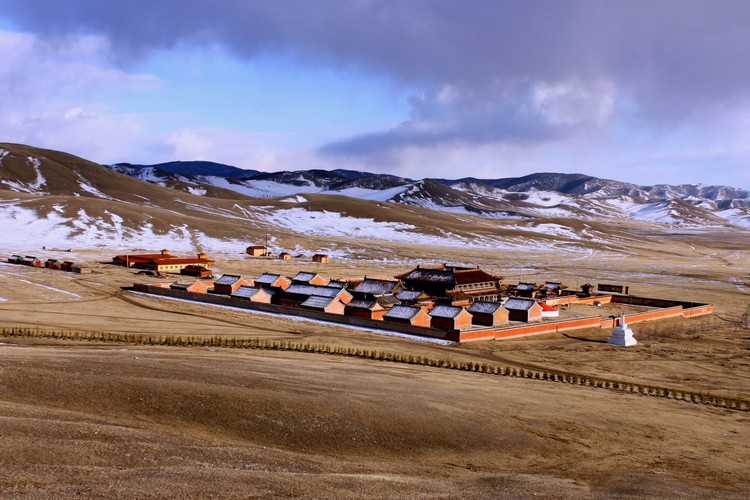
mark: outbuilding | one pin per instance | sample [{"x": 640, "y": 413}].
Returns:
[
  {"x": 196, "y": 271},
  {"x": 321, "y": 258},
  {"x": 229, "y": 283},
  {"x": 521, "y": 309},
  {"x": 192, "y": 286},
  {"x": 407, "y": 315},
  {"x": 549, "y": 311},
  {"x": 526, "y": 290},
  {"x": 449, "y": 317},
  {"x": 53, "y": 264},
  {"x": 371, "y": 288},
  {"x": 365, "y": 308},
  {"x": 330, "y": 305},
  {"x": 488, "y": 313},
  {"x": 307, "y": 278},
  {"x": 412, "y": 297},
  {"x": 257, "y": 250},
  {"x": 32, "y": 261},
  {"x": 268, "y": 280},
  {"x": 253, "y": 294}
]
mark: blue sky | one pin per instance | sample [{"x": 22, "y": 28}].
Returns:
[{"x": 646, "y": 92}]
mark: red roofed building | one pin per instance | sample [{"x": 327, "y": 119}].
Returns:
[
  {"x": 549, "y": 311},
  {"x": 466, "y": 283},
  {"x": 161, "y": 261},
  {"x": 257, "y": 250}
]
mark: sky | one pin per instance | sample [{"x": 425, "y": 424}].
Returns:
[{"x": 648, "y": 92}]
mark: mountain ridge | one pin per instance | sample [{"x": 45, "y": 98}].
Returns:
[{"x": 573, "y": 195}]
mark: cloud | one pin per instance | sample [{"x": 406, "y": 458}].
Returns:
[
  {"x": 489, "y": 75},
  {"x": 54, "y": 95},
  {"x": 521, "y": 113}
]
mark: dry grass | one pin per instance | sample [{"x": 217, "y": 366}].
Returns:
[
  {"x": 104, "y": 420},
  {"x": 192, "y": 422},
  {"x": 155, "y": 422}
]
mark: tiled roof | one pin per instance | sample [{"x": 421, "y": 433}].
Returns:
[
  {"x": 376, "y": 287},
  {"x": 304, "y": 276},
  {"x": 181, "y": 285},
  {"x": 430, "y": 275},
  {"x": 336, "y": 284},
  {"x": 441, "y": 311},
  {"x": 526, "y": 286},
  {"x": 408, "y": 295},
  {"x": 267, "y": 278},
  {"x": 516, "y": 304},
  {"x": 402, "y": 312},
  {"x": 362, "y": 304},
  {"x": 246, "y": 292},
  {"x": 472, "y": 276},
  {"x": 321, "y": 291},
  {"x": 387, "y": 300},
  {"x": 483, "y": 307},
  {"x": 228, "y": 279},
  {"x": 317, "y": 302}
]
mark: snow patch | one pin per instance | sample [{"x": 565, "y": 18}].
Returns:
[
  {"x": 92, "y": 190},
  {"x": 295, "y": 199},
  {"x": 197, "y": 191}
]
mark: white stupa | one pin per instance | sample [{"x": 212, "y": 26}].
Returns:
[{"x": 622, "y": 335}]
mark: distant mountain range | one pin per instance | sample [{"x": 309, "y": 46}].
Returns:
[
  {"x": 536, "y": 195},
  {"x": 58, "y": 200}
]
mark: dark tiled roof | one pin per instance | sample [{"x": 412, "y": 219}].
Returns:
[
  {"x": 181, "y": 285},
  {"x": 465, "y": 277},
  {"x": 246, "y": 292},
  {"x": 364, "y": 304},
  {"x": 387, "y": 300},
  {"x": 317, "y": 302},
  {"x": 526, "y": 286},
  {"x": 376, "y": 287},
  {"x": 430, "y": 275},
  {"x": 402, "y": 312},
  {"x": 321, "y": 291},
  {"x": 483, "y": 307},
  {"x": 516, "y": 304},
  {"x": 408, "y": 295},
  {"x": 304, "y": 276},
  {"x": 445, "y": 311},
  {"x": 267, "y": 278},
  {"x": 228, "y": 279}
]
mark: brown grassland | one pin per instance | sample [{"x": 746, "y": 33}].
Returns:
[{"x": 120, "y": 420}]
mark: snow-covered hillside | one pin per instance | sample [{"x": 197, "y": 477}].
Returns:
[{"x": 540, "y": 195}]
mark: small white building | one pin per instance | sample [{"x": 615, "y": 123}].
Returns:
[{"x": 622, "y": 335}]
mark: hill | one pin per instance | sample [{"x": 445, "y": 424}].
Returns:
[
  {"x": 65, "y": 201},
  {"x": 541, "y": 194}
]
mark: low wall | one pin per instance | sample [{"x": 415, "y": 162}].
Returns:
[
  {"x": 700, "y": 310},
  {"x": 225, "y": 300},
  {"x": 548, "y": 327},
  {"x": 668, "y": 309},
  {"x": 475, "y": 335},
  {"x": 574, "y": 299},
  {"x": 669, "y": 312}
]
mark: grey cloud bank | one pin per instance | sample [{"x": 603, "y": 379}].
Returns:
[{"x": 524, "y": 74}]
